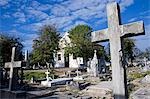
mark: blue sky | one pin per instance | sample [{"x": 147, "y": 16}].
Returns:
[{"x": 23, "y": 18}]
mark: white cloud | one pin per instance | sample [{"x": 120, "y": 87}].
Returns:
[
  {"x": 20, "y": 17},
  {"x": 141, "y": 16},
  {"x": 84, "y": 9},
  {"x": 41, "y": 7},
  {"x": 3, "y": 2},
  {"x": 34, "y": 27},
  {"x": 60, "y": 10},
  {"x": 132, "y": 19},
  {"x": 36, "y": 15},
  {"x": 125, "y": 3}
]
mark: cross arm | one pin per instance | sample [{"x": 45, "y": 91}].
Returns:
[
  {"x": 99, "y": 36},
  {"x": 132, "y": 29},
  {"x": 14, "y": 64}
]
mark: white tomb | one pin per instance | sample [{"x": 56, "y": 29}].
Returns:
[{"x": 52, "y": 82}]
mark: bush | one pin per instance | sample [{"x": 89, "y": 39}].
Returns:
[{"x": 36, "y": 75}]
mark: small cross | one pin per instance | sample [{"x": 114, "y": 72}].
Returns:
[{"x": 47, "y": 73}]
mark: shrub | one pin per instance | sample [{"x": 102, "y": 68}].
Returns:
[{"x": 36, "y": 75}]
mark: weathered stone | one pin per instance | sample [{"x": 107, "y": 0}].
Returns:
[
  {"x": 146, "y": 79},
  {"x": 103, "y": 89},
  {"x": 114, "y": 33},
  {"x": 142, "y": 93}
]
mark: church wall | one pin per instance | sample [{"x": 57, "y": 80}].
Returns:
[{"x": 60, "y": 59}]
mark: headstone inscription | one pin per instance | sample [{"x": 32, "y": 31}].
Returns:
[
  {"x": 13, "y": 72},
  {"x": 114, "y": 34}
]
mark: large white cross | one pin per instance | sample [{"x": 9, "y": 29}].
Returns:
[
  {"x": 12, "y": 65},
  {"x": 114, "y": 33}
]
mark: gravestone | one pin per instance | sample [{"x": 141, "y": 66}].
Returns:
[
  {"x": 47, "y": 77},
  {"x": 13, "y": 79},
  {"x": 114, "y": 33},
  {"x": 94, "y": 65},
  {"x": 146, "y": 66}
]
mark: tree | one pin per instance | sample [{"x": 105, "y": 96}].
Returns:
[
  {"x": 81, "y": 44},
  {"x": 128, "y": 47},
  {"x": 6, "y": 44},
  {"x": 45, "y": 45}
]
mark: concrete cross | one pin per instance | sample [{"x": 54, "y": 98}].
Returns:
[
  {"x": 12, "y": 65},
  {"x": 114, "y": 33},
  {"x": 47, "y": 73}
]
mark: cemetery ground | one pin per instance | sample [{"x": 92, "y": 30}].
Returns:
[
  {"x": 134, "y": 75},
  {"x": 95, "y": 87}
]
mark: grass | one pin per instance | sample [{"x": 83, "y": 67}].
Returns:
[
  {"x": 136, "y": 75},
  {"x": 36, "y": 75}
]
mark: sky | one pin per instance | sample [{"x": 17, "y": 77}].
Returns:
[{"x": 23, "y": 18}]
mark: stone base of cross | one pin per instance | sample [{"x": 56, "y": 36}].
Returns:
[{"x": 115, "y": 34}]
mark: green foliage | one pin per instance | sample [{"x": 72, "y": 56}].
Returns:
[
  {"x": 138, "y": 75},
  {"x": 36, "y": 75},
  {"x": 81, "y": 43},
  {"x": 128, "y": 46},
  {"x": 45, "y": 45},
  {"x": 6, "y": 44}
]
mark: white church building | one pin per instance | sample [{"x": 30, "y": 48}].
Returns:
[{"x": 66, "y": 61}]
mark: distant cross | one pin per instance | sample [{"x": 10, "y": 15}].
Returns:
[
  {"x": 26, "y": 56},
  {"x": 47, "y": 73},
  {"x": 145, "y": 61},
  {"x": 114, "y": 33},
  {"x": 12, "y": 65}
]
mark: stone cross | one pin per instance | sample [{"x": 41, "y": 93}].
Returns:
[
  {"x": 114, "y": 33},
  {"x": 12, "y": 65},
  {"x": 47, "y": 73},
  {"x": 145, "y": 61}
]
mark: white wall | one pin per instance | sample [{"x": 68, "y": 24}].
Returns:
[
  {"x": 72, "y": 62},
  {"x": 60, "y": 63}
]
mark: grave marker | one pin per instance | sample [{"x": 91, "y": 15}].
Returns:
[
  {"x": 114, "y": 33},
  {"x": 47, "y": 77},
  {"x": 12, "y": 65}
]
